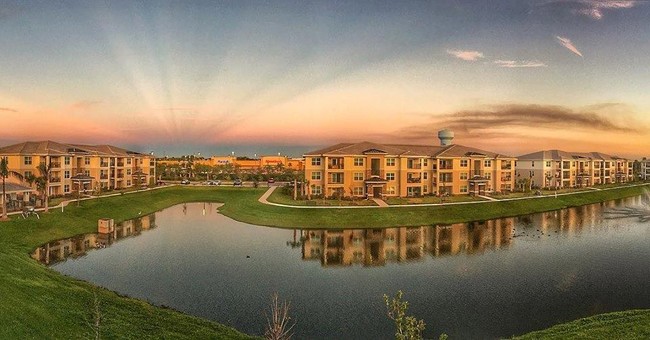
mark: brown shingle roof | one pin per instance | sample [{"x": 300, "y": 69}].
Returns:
[
  {"x": 51, "y": 148},
  {"x": 402, "y": 150},
  {"x": 560, "y": 155}
]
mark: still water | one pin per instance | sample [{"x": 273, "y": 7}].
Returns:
[{"x": 486, "y": 279}]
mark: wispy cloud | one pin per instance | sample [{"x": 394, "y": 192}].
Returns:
[
  {"x": 566, "y": 42},
  {"x": 482, "y": 122},
  {"x": 6, "y": 109},
  {"x": 519, "y": 63},
  {"x": 466, "y": 55},
  {"x": 594, "y": 9}
]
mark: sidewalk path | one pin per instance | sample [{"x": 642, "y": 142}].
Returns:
[
  {"x": 380, "y": 202},
  {"x": 264, "y": 200},
  {"x": 487, "y": 198}
]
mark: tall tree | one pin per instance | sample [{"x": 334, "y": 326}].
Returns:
[
  {"x": 4, "y": 173},
  {"x": 44, "y": 180}
]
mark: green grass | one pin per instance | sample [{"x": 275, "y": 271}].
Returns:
[
  {"x": 40, "y": 303},
  {"x": 431, "y": 199},
  {"x": 632, "y": 324},
  {"x": 279, "y": 197}
]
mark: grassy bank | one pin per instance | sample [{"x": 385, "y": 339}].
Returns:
[
  {"x": 40, "y": 303},
  {"x": 633, "y": 324}
]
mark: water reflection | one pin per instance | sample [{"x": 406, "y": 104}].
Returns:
[
  {"x": 78, "y": 246},
  {"x": 377, "y": 247}
]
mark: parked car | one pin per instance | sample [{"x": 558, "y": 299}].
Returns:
[
  {"x": 237, "y": 182},
  {"x": 214, "y": 182},
  {"x": 271, "y": 180},
  {"x": 185, "y": 181}
]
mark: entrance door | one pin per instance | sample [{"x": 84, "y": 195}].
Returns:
[{"x": 376, "y": 192}]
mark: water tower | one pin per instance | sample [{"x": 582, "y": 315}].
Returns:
[{"x": 445, "y": 136}]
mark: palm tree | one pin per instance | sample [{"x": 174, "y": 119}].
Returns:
[
  {"x": 44, "y": 181},
  {"x": 4, "y": 173}
]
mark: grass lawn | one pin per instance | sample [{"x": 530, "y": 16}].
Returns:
[
  {"x": 40, "y": 303},
  {"x": 431, "y": 199},
  {"x": 632, "y": 324},
  {"x": 279, "y": 197}
]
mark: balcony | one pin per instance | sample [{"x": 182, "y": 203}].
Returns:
[
  {"x": 414, "y": 166},
  {"x": 103, "y": 176},
  {"x": 335, "y": 166},
  {"x": 506, "y": 179},
  {"x": 55, "y": 165},
  {"x": 414, "y": 180},
  {"x": 446, "y": 166},
  {"x": 583, "y": 174},
  {"x": 120, "y": 175},
  {"x": 55, "y": 180},
  {"x": 478, "y": 176},
  {"x": 375, "y": 173},
  {"x": 103, "y": 164}
]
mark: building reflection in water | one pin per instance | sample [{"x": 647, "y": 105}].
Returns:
[
  {"x": 79, "y": 245},
  {"x": 376, "y": 247}
]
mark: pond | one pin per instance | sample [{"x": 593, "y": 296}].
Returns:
[{"x": 486, "y": 279}]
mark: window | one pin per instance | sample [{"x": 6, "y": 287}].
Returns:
[
  {"x": 358, "y": 161},
  {"x": 358, "y": 176},
  {"x": 425, "y": 175},
  {"x": 425, "y": 162},
  {"x": 425, "y": 189},
  {"x": 66, "y": 188},
  {"x": 336, "y": 178},
  {"x": 66, "y": 160},
  {"x": 28, "y": 174},
  {"x": 28, "y": 160},
  {"x": 390, "y": 176},
  {"x": 463, "y": 175},
  {"x": 87, "y": 160},
  {"x": 464, "y": 163},
  {"x": 316, "y": 189},
  {"x": 487, "y": 175},
  {"x": 316, "y": 175},
  {"x": 548, "y": 164},
  {"x": 390, "y": 161},
  {"x": 128, "y": 172},
  {"x": 87, "y": 172},
  {"x": 66, "y": 174},
  {"x": 532, "y": 164},
  {"x": 463, "y": 189},
  {"x": 128, "y": 182},
  {"x": 357, "y": 191},
  {"x": 315, "y": 161},
  {"x": 390, "y": 191},
  {"x": 488, "y": 163},
  {"x": 128, "y": 161}
]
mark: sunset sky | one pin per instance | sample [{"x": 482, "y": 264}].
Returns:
[{"x": 263, "y": 77}]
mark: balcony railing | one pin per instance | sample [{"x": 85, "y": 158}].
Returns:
[
  {"x": 120, "y": 175},
  {"x": 414, "y": 180},
  {"x": 335, "y": 166},
  {"x": 103, "y": 176},
  {"x": 375, "y": 173},
  {"x": 414, "y": 166},
  {"x": 120, "y": 163},
  {"x": 55, "y": 180},
  {"x": 506, "y": 179},
  {"x": 56, "y": 165},
  {"x": 446, "y": 166},
  {"x": 104, "y": 165}
]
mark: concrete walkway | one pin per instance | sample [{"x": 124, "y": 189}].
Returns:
[
  {"x": 380, "y": 202},
  {"x": 487, "y": 198},
  {"x": 264, "y": 200}
]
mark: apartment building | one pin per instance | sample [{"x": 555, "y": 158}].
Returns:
[
  {"x": 562, "y": 169},
  {"x": 379, "y": 170},
  {"x": 645, "y": 169},
  {"x": 94, "y": 167}
]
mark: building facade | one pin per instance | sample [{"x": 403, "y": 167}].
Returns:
[
  {"x": 561, "y": 169},
  {"x": 645, "y": 169},
  {"x": 381, "y": 170},
  {"x": 103, "y": 167}
]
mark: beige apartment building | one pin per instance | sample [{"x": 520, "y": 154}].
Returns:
[
  {"x": 645, "y": 169},
  {"x": 380, "y": 170},
  {"x": 561, "y": 169},
  {"x": 95, "y": 167}
]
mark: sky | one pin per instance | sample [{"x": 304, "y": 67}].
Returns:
[{"x": 262, "y": 77}]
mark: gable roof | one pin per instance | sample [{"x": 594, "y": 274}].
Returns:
[
  {"x": 50, "y": 148},
  {"x": 406, "y": 150},
  {"x": 564, "y": 155}
]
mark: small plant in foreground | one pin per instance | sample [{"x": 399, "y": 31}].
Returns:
[
  {"x": 96, "y": 317},
  {"x": 407, "y": 327},
  {"x": 278, "y": 327}
]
